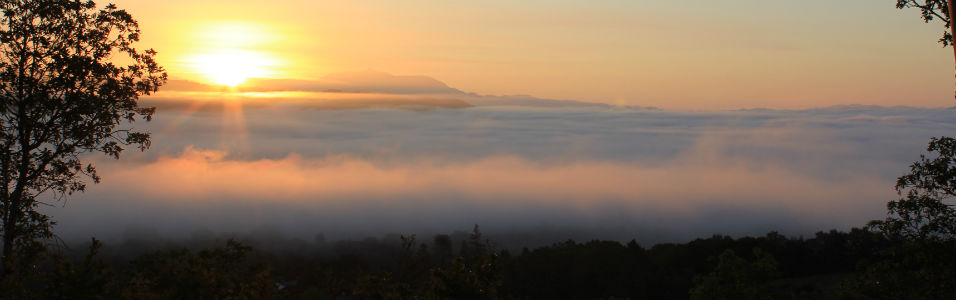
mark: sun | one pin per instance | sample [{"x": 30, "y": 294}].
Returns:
[
  {"x": 229, "y": 53},
  {"x": 232, "y": 67}
]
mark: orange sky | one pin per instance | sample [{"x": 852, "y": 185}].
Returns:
[{"x": 669, "y": 54}]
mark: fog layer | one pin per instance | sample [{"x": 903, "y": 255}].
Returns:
[{"x": 562, "y": 171}]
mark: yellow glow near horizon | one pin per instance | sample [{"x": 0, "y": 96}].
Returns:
[
  {"x": 231, "y": 67},
  {"x": 232, "y": 53},
  {"x": 819, "y": 53}
]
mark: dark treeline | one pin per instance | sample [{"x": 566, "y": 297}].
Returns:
[{"x": 855, "y": 264}]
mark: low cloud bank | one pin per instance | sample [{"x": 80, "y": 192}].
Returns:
[{"x": 611, "y": 173}]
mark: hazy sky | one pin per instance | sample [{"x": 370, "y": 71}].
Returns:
[
  {"x": 381, "y": 116},
  {"x": 697, "y": 54}
]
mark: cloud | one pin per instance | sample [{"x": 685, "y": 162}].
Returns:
[
  {"x": 200, "y": 175},
  {"x": 347, "y": 196},
  {"x": 821, "y": 143},
  {"x": 590, "y": 172}
]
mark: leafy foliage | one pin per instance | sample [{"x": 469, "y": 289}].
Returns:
[
  {"x": 93, "y": 278},
  {"x": 908, "y": 270},
  {"x": 404, "y": 268},
  {"x": 63, "y": 94},
  {"x": 217, "y": 273},
  {"x": 581, "y": 270},
  {"x": 922, "y": 223},
  {"x": 736, "y": 278},
  {"x": 924, "y": 211},
  {"x": 931, "y": 10},
  {"x": 474, "y": 274}
]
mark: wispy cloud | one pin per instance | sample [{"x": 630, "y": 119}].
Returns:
[{"x": 656, "y": 175}]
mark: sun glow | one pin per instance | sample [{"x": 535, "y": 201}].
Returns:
[
  {"x": 232, "y": 67},
  {"x": 232, "y": 52}
]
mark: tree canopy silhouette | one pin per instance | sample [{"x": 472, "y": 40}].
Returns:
[
  {"x": 922, "y": 226},
  {"x": 925, "y": 209},
  {"x": 931, "y": 10},
  {"x": 935, "y": 9},
  {"x": 69, "y": 84}
]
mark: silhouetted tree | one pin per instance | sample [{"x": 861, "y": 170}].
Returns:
[
  {"x": 736, "y": 278},
  {"x": 922, "y": 225},
  {"x": 216, "y": 273},
  {"x": 92, "y": 278},
  {"x": 443, "y": 250},
  {"x": 474, "y": 274},
  {"x": 935, "y": 9},
  {"x": 925, "y": 209},
  {"x": 69, "y": 77}
]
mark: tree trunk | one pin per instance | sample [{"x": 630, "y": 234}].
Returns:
[
  {"x": 17, "y": 199},
  {"x": 9, "y": 235},
  {"x": 952, "y": 34}
]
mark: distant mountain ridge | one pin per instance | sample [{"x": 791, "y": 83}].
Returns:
[
  {"x": 425, "y": 91},
  {"x": 349, "y": 82},
  {"x": 375, "y": 82}
]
